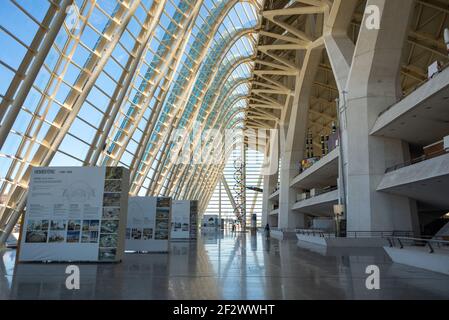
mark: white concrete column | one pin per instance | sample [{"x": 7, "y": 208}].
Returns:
[
  {"x": 340, "y": 49},
  {"x": 269, "y": 183},
  {"x": 271, "y": 174},
  {"x": 339, "y": 46},
  {"x": 374, "y": 85},
  {"x": 293, "y": 150}
]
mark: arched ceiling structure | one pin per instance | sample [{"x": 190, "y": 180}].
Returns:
[
  {"x": 132, "y": 82},
  {"x": 115, "y": 82},
  {"x": 289, "y": 28}
]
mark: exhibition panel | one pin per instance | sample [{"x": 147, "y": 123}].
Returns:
[
  {"x": 75, "y": 214},
  {"x": 148, "y": 224},
  {"x": 184, "y": 220},
  {"x": 180, "y": 225},
  {"x": 210, "y": 222}
]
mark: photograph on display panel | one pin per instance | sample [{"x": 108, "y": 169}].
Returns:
[
  {"x": 74, "y": 225},
  {"x": 36, "y": 236},
  {"x": 114, "y": 173},
  {"x": 56, "y": 236},
  {"x": 107, "y": 254},
  {"x": 111, "y": 200},
  {"x": 111, "y": 213},
  {"x": 109, "y": 226},
  {"x": 73, "y": 236},
  {"x": 163, "y": 202},
  {"x": 147, "y": 233}
]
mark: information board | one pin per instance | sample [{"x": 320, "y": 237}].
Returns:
[
  {"x": 210, "y": 222},
  {"x": 180, "y": 224},
  {"x": 75, "y": 214},
  {"x": 184, "y": 220},
  {"x": 148, "y": 224}
]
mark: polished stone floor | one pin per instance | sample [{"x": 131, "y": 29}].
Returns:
[{"x": 227, "y": 266}]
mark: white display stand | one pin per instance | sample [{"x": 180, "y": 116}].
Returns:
[
  {"x": 75, "y": 214},
  {"x": 210, "y": 223},
  {"x": 184, "y": 220},
  {"x": 148, "y": 224}
]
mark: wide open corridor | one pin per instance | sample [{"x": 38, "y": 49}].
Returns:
[{"x": 227, "y": 266}]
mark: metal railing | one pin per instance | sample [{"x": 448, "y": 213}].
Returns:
[
  {"x": 378, "y": 234},
  {"x": 315, "y": 233},
  {"x": 318, "y": 193},
  {"x": 415, "y": 161},
  {"x": 356, "y": 234},
  {"x": 282, "y": 229},
  {"x": 272, "y": 195},
  {"x": 432, "y": 243}
]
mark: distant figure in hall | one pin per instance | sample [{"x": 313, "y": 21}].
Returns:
[
  {"x": 233, "y": 227},
  {"x": 267, "y": 231}
]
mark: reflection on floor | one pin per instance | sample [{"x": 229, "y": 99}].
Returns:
[{"x": 227, "y": 266}]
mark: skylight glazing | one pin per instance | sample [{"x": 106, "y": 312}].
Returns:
[{"x": 105, "y": 83}]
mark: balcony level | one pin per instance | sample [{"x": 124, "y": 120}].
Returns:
[
  {"x": 426, "y": 108},
  {"x": 274, "y": 196},
  {"x": 322, "y": 174},
  {"x": 426, "y": 181},
  {"x": 320, "y": 205}
]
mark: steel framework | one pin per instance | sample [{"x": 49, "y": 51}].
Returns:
[
  {"x": 107, "y": 82},
  {"x": 138, "y": 83}
]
